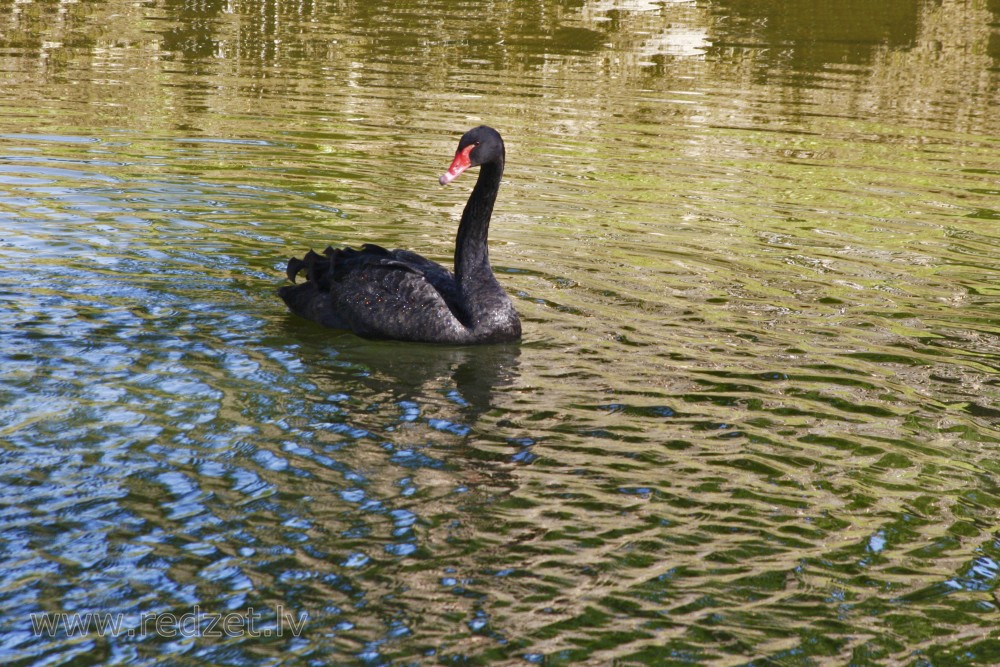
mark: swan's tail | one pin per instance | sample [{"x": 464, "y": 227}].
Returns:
[
  {"x": 311, "y": 299},
  {"x": 318, "y": 268},
  {"x": 334, "y": 263}
]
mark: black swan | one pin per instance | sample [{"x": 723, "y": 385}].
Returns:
[{"x": 399, "y": 295}]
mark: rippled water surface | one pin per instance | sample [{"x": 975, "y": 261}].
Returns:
[{"x": 754, "y": 418}]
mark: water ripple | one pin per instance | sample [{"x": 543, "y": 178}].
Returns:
[{"x": 753, "y": 418}]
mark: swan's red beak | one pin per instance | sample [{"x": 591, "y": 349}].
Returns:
[{"x": 461, "y": 162}]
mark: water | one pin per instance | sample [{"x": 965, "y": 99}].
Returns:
[{"x": 753, "y": 419}]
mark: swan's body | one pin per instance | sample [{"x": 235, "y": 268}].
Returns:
[{"x": 397, "y": 294}]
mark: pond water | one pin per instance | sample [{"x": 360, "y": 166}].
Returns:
[{"x": 754, "y": 417}]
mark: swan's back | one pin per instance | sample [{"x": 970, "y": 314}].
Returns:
[{"x": 377, "y": 293}]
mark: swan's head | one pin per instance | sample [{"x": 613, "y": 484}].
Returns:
[{"x": 479, "y": 145}]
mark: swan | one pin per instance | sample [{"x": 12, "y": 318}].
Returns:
[{"x": 399, "y": 295}]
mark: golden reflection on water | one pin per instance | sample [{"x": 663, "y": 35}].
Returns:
[{"x": 172, "y": 65}]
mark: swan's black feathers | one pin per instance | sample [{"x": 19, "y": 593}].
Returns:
[
  {"x": 294, "y": 266},
  {"x": 377, "y": 293}
]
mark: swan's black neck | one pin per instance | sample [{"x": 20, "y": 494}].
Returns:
[
  {"x": 472, "y": 259},
  {"x": 488, "y": 313}
]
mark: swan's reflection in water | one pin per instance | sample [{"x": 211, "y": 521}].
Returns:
[
  {"x": 425, "y": 406},
  {"x": 470, "y": 375},
  {"x": 343, "y": 365},
  {"x": 404, "y": 459}
]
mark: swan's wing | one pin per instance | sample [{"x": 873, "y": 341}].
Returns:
[
  {"x": 377, "y": 293},
  {"x": 441, "y": 278}
]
